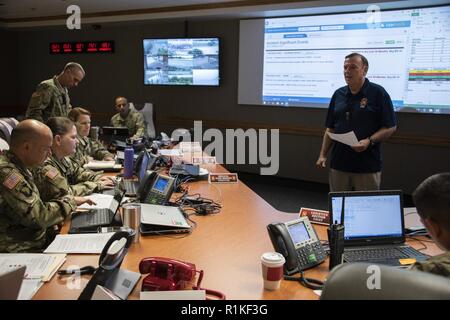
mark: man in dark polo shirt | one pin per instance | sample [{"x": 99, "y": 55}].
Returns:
[{"x": 366, "y": 109}]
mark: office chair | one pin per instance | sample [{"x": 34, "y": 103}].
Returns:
[
  {"x": 11, "y": 121},
  {"x": 3, "y": 145},
  {"x": 350, "y": 281},
  {"x": 5, "y": 131},
  {"x": 149, "y": 117}
]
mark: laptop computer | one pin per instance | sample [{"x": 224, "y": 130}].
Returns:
[
  {"x": 11, "y": 282},
  {"x": 157, "y": 219},
  {"x": 374, "y": 227},
  {"x": 112, "y": 134},
  {"x": 91, "y": 220},
  {"x": 146, "y": 162}
]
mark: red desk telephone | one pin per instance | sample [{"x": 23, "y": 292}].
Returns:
[{"x": 171, "y": 274}]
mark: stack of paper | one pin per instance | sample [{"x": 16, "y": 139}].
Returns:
[
  {"x": 190, "y": 147},
  {"x": 79, "y": 243},
  {"x": 39, "y": 268}
]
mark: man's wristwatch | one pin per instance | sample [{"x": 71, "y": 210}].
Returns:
[{"x": 371, "y": 141}]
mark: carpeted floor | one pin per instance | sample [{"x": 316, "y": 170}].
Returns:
[
  {"x": 290, "y": 195},
  {"x": 287, "y": 194}
]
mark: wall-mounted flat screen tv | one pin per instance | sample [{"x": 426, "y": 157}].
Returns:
[{"x": 182, "y": 61}]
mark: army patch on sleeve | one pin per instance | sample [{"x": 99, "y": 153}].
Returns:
[
  {"x": 52, "y": 173},
  {"x": 12, "y": 180}
]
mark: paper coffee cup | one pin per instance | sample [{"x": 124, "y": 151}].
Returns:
[{"x": 272, "y": 269}]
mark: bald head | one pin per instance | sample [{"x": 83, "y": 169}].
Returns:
[
  {"x": 31, "y": 141},
  {"x": 28, "y": 131}
]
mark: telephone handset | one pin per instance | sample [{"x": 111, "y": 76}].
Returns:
[
  {"x": 156, "y": 188},
  {"x": 110, "y": 260},
  {"x": 298, "y": 242},
  {"x": 170, "y": 274}
]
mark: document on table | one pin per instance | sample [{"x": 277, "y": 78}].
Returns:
[
  {"x": 79, "y": 243},
  {"x": 39, "y": 266},
  {"x": 29, "y": 288},
  {"x": 170, "y": 152},
  {"x": 101, "y": 200},
  {"x": 348, "y": 138},
  {"x": 102, "y": 164}
]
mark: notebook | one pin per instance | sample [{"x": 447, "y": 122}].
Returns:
[
  {"x": 157, "y": 219},
  {"x": 91, "y": 220},
  {"x": 374, "y": 227}
]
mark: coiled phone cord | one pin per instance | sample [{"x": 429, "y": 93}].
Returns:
[{"x": 310, "y": 283}]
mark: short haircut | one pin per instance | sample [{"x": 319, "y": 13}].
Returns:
[
  {"x": 120, "y": 97},
  {"x": 75, "y": 113},
  {"x": 74, "y": 65},
  {"x": 363, "y": 59},
  {"x": 59, "y": 125},
  {"x": 21, "y": 134},
  {"x": 432, "y": 199}
]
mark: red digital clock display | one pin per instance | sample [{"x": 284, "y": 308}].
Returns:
[{"x": 82, "y": 47}]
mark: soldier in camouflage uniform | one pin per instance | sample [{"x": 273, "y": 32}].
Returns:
[
  {"x": 86, "y": 148},
  {"x": 60, "y": 176},
  {"x": 432, "y": 200},
  {"x": 26, "y": 222},
  {"x": 133, "y": 120},
  {"x": 51, "y": 98}
]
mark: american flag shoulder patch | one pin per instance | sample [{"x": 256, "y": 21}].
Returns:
[
  {"x": 12, "y": 180},
  {"x": 52, "y": 173}
]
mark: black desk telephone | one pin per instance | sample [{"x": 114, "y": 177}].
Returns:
[
  {"x": 156, "y": 188},
  {"x": 297, "y": 241}
]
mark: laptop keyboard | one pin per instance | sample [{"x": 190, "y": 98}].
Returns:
[
  {"x": 130, "y": 186},
  {"x": 100, "y": 217},
  {"x": 373, "y": 254}
]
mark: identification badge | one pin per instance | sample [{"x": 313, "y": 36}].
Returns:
[{"x": 363, "y": 103}]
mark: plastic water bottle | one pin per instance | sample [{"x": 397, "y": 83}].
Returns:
[{"x": 128, "y": 163}]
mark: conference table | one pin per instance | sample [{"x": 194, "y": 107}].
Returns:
[{"x": 227, "y": 246}]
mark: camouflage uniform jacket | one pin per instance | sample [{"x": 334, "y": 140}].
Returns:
[
  {"x": 49, "y": 100},
  {"x": 88, "y": 147},
  {"x": 438, "y": 265},
  {"x": 24, "y": 217},
  {"x": 58, "y": 178},
  {"x": 134, "y": 121}
]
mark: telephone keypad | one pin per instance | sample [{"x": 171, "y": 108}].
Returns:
[
  {"x": 310, "y": 254},
  {"x": 155, "y": 199}
]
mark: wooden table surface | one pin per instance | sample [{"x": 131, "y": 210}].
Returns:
[{"x": 227, "y": 246}]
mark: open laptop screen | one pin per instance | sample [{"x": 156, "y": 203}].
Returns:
[
  {"x": 144, "y": 165},
  {"x": 369, "y": 215}
]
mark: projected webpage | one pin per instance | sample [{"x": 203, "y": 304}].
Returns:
[{"x": 408, "y": 53}]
